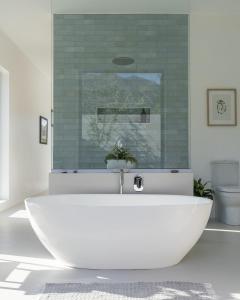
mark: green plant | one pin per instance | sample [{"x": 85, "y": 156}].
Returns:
[
  {"x": 201, "y": 189},
  {"x": 119, "y": 152}
]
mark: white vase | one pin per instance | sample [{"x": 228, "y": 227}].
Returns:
[{"x": 119, "y": 164}]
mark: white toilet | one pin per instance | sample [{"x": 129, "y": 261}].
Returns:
[{"x": 225, "y": 181}]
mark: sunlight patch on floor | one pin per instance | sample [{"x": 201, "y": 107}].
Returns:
[
  {"x": 6, "y": 294},
  {"x": 12, "y": 284},
  {"x": 102, "y": 278},
  {"x": 31, "y": 267},
  {"x": 32, "y": 260},
  {"x": 9, "y": 285},
  {"x": 18, "y": 275},
  {"x": 20, "y": 214}
]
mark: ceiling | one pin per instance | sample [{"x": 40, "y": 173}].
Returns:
[{"x": 28, "y": 23}]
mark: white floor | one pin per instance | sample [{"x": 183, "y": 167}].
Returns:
[{"x": 25, "y": 266}]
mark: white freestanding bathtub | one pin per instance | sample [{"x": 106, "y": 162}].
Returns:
[{"x": 110, "y": 231}]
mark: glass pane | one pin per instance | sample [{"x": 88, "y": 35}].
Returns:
[
  {"x": 120, "y": 77},
  {"x": 120, "y": 107}
]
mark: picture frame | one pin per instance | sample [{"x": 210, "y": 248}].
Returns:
[
  {"x": 221, "y": 107},
  {"x": 43, "y": 130}
]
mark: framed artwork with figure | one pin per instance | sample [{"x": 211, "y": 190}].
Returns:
[
  {"x": 222, "y": 107},
  {"x": 43, "y": 130}
]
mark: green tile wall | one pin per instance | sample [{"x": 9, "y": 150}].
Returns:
[{"x": 87, "y": 44}]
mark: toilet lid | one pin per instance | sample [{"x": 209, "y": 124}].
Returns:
[{"x": 229, "y": 189}]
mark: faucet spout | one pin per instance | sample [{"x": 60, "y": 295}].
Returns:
[{"x": 121, "y": 181}]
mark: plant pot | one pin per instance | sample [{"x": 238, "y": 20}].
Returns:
[{"x": 119, "y": 164}]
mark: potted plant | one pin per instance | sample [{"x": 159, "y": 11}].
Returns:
[
  {"x": 201, "y": 189},
  {"x": 120, "y": 158}
]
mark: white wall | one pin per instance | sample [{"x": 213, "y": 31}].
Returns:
[
  {"x": 214, "y": 63},
  {"x": 30, "y": 96},
  {"x": 4, "y": 134}
]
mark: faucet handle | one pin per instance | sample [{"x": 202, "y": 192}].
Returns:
[{"x": 138, "y": 183}]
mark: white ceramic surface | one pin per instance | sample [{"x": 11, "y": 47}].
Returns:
[
  {"x": 111, "y": 231},
  {"x": 229, "y": 205},
  {"x": 225, "y": 180}
]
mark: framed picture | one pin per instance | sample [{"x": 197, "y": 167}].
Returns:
[
  {"x": 43, "y": 130},
  {"x": 222, "y": 107}
]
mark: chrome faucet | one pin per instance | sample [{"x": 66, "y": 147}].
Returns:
[
  {"x": 138, "y": 183},
  {"x": 121, "y": 180}
]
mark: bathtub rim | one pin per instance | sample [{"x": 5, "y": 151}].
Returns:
[{"x": 117, "y": 200}]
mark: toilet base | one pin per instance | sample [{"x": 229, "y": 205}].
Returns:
[{"x": 230, "y": 215}]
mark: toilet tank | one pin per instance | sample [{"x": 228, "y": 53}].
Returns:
[{"x": 225, "y": 172}]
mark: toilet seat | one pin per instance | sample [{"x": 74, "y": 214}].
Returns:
[{"x": 228, "y": 189}]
